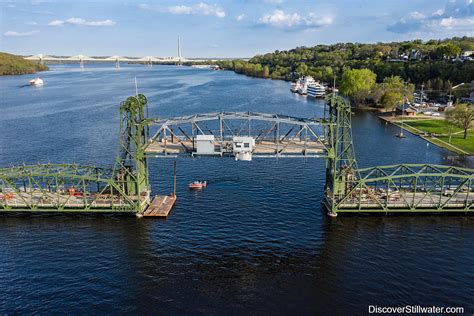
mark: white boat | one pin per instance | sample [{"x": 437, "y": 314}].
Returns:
[
  {"x": 36, "y": 82},
  {"x": 295, "y": 86},
  {"x": 301, "y": 85},
  {"x": 316, "y": 90}
]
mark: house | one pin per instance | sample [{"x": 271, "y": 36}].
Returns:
[
  {"x": 415, "y": 55},
  {"x": 405, "y": 110},
  {"x": 467, "y": 53}
]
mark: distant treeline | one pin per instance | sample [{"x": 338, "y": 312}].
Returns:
[
  {"x": 16, "y": 65},
  {"x": 436, "y": 63}
]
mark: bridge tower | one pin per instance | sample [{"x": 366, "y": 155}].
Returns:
[
  {"x": 131, "y": 168},
  {"x": 179, "y": 51},
  {"x": 341, "y": 165}
]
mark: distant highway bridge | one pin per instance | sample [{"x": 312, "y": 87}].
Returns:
[{"x": 82, "y": 59}]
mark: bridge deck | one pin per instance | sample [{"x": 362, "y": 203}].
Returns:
[
  {"x": 408, "y": 200},
  {"x": 179, "y": 146},
  {"x": 63, "y": 201}
]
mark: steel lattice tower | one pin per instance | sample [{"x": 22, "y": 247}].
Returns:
[
  {"x": 341, "y": 164},
  {"x": 131, "y": 165}
]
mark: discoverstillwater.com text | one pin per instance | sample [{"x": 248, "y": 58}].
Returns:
[{"x": 414, "y": 309}]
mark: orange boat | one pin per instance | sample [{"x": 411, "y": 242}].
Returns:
[{"x": 197, "y": 184}]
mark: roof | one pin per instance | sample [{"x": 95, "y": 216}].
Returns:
[{"x": 406, "y": 108}]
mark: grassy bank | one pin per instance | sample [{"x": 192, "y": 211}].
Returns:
[
  {"x": 16, "y": 65},
  {"x": 438, "y": 132}
]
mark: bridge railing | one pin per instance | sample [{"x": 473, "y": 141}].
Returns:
[{"x": 409, "y": 187}]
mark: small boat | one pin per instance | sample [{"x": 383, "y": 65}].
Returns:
[
  {"x": 197, "y": 184},
  {"x": 36, "y": 82},
  {"x": 295, "y": 86}
]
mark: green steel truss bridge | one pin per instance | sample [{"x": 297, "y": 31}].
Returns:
[{"x": 125, "y": 188}]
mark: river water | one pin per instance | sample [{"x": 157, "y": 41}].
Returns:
[{"x": 257, "y": 240}]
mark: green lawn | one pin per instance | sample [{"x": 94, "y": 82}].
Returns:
[
  {"x": 434, "y": 126},
  {"x": 458, "y": 141},
  {"x": 442, "y": 129}
]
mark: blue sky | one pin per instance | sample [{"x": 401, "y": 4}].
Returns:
[{"x": 238, "y": 28}]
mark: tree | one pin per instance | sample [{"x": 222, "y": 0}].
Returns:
[
  {"x": 395, "y": 91},
  {"x": 448, "y": 50},
  {"x": 302, "y": 69},
  {"x": 266, "y": 72},
  {"x": 462, "y": 116},
  {"x": 357, "y": 83}
]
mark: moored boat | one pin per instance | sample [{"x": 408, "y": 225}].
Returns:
[
  {"x": 295, "y": 86},
  {"x": 316, "y": 90},
  {"x": 301, "y": 85}
]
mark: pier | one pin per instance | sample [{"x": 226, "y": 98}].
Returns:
[{"x": 160, "y": 206}]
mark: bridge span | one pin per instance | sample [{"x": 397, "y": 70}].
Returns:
[
  {"x": 243, "y": 135},
  {"x": 125, "y": 188},
  {"x": 82, "y": 59}
]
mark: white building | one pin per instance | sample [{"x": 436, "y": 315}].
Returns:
[
  {"x": 467, "y": 53},
  {"x": 205, "y": 145},
  {"x": 243, "y": 147}
]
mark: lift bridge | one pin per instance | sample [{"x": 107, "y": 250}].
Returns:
[{"x": 125, "y": 188}]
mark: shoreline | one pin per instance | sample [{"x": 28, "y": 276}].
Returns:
[{"x": 424, "y": 135}]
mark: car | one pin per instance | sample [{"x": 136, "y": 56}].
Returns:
[
  {"x": 427, "y": 112},
  {"x": 435, "y": 114}
]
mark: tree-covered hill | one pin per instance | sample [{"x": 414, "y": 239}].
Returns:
[
  {"x": 436, "y": 63},
  {"x": 16, "y": 65}
]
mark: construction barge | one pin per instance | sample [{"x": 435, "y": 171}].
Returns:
[{"x": 125, "y": 188}]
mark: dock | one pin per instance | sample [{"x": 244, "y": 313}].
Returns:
[{"x": 160, "y": 206}]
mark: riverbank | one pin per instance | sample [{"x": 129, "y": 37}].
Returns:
[
  {"x": 436, "y": 131},
  {"x": 16, "y": 65}
]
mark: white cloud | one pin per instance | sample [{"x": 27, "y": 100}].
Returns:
[
  {"x": 280, "y": 19},
  {"x": 451, "y": 23},
  {"x": 19, "y": 34},
  {"x": 315, "y": 20},
  {"x": 214, "y": 46},
  {"x": 82, "y": 22},
  {"x": 274, "y": 1},
  {"x": 56, "y": 22},
  {"x": 416, "y": 15},
  {"x": 456, "y": 18},
  {"x": 32, "y": 23},
  {"x": 36, "y": 2},
  {"x": 201, "y": 8},
  {"x": 240, "y": 17}
]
